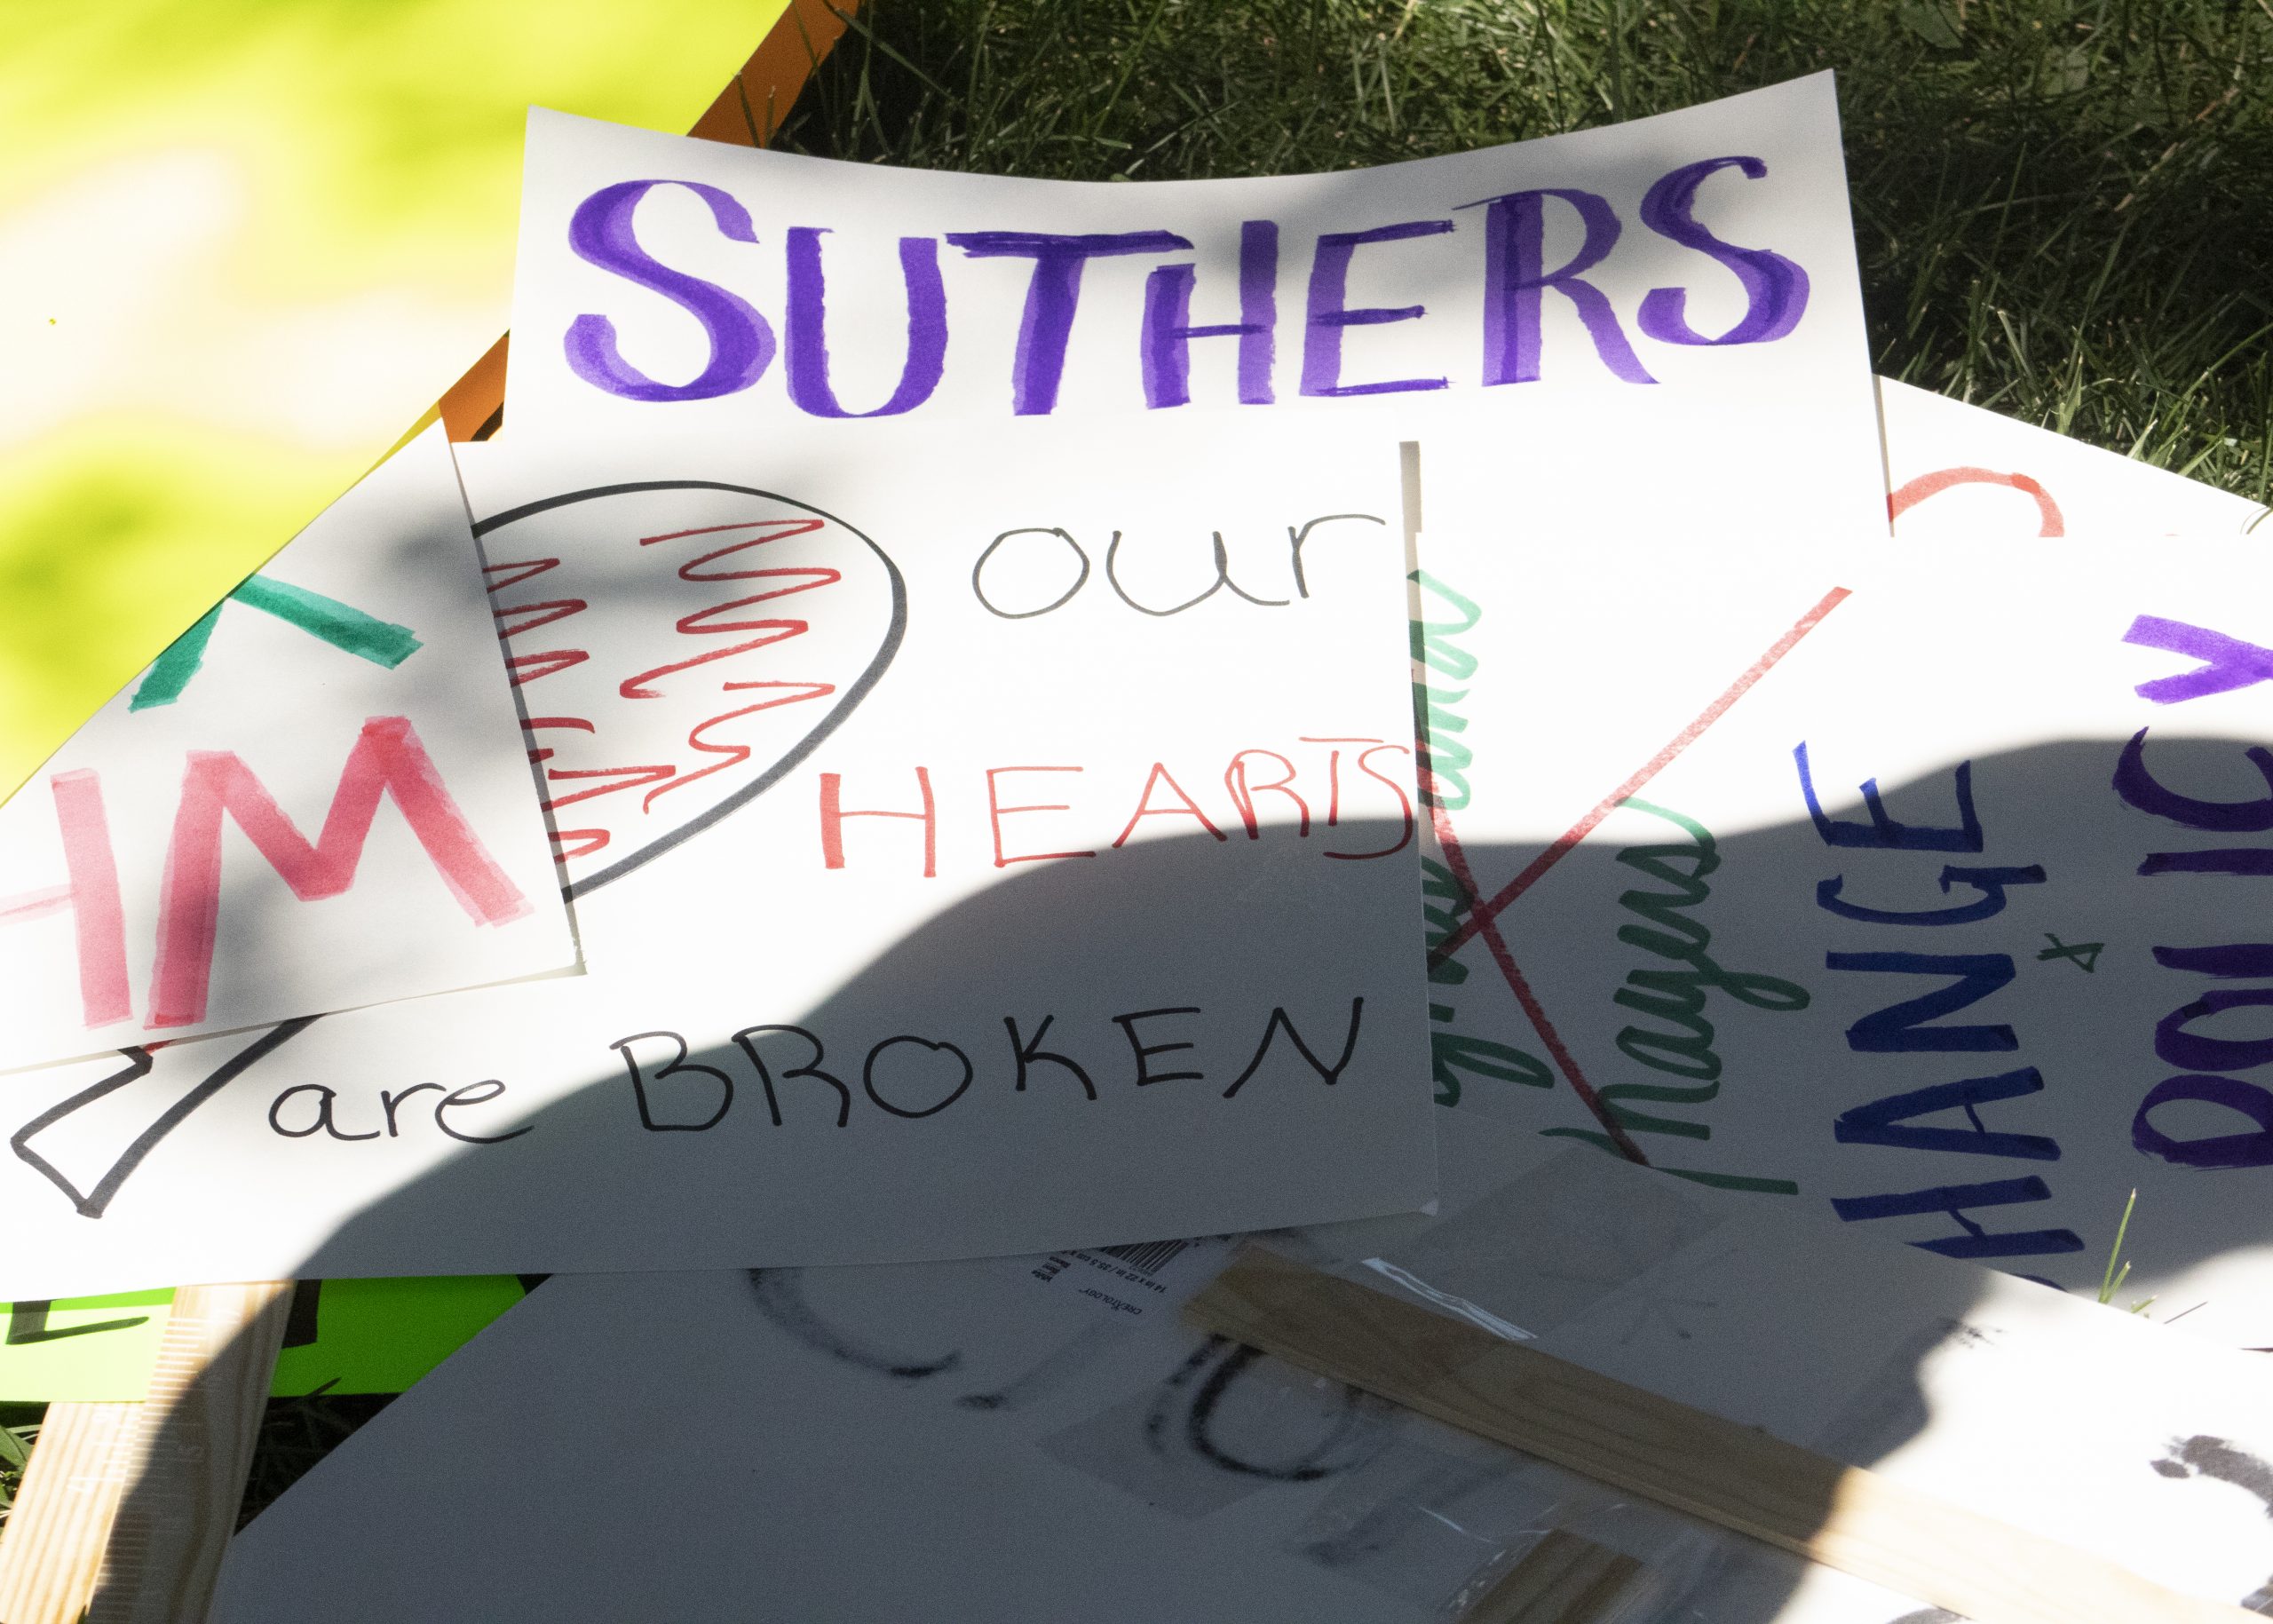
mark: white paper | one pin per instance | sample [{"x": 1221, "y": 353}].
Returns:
[
  {"x": 319, "y": 799},
  {"x": 2045, "y": 1413},
  {"x": 1751, "y": 411},
  {"x": 941, "y": 1441},
  {"x": 837, "y": 633},
  {"x": 1956, "y": 473},
  {"x": 1721, "y": 971}
]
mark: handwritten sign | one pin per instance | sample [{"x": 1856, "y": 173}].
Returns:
[
  {"x": 1918, "y": 890},
  {"x": 1956, "y": 473},
  {"x": 986, "y": 842},
  {"x": 1136, "y": 1469},
  {"x": 315, "y": 799},
  {"x": 1659, "y": 316}
]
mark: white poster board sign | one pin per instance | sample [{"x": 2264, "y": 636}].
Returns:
[
  {"x": 317, "y": 798},
  {"x": 1956, "y": 473},
  {"x": 1916, "y": 889},
  {"x": 971, "y": 1440},
  {"x": 1658, "y": 317},
  {"x": 989, "y": 840}
]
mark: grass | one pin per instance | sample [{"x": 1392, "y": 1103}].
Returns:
[
  {"x": 2119, "y": 1267},
  {"x": 19, "y": 1430},
  {"x": 295, "y": 1434},
  {"x": 2062, "y": 212}
]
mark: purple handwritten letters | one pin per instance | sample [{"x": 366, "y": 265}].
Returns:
[{"x": 1516, "y": 277}]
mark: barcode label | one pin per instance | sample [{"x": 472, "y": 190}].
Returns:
[
  {"x": 1130, "y": 1281},
  {"x": 1151, "y": 1256}
]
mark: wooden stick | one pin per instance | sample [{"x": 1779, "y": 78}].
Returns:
[
  {"x": 190, "y": 1453},
  {"x": 1699, "y": 1464},
  {"x": 52, "y": 1546}
]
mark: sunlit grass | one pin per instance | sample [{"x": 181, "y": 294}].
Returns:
[{"x": 2119, "y": 1267}]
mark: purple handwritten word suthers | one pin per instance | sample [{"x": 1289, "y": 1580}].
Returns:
[
  {"x": 1516, "y": 278},
  {"x": 2227, "y": 662}
]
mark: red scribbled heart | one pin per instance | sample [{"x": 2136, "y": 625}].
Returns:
[{"x": 679, "y": 646}]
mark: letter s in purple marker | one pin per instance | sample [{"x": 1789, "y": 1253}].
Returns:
[
  {"x": 1776, "y": 290},
  {"x": 741, "y": 345}
]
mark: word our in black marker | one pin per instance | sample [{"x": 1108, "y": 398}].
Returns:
[{"x": 1047, "y": 551}]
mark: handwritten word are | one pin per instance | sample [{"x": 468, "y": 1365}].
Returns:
[
  {"x": 912, "y": 1077},
  {"x": 307, "y": 1109},
  {"x": 387, "y": 761},
  {"x": 1249, "y": 775},
  {"x": 1506, "y": 245},
  {"x": 1904, "y": 1028}
]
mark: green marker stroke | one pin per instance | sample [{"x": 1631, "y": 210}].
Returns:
[{"x": 365, "y": 636}]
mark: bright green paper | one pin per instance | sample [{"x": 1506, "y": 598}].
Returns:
[{"x": 345, "y": 1336}]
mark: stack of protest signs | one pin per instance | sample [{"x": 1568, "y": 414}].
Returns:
[{"x": 1438, "y": 715}]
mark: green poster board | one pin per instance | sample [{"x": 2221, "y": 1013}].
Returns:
[{"x": 345, "y": 1336}]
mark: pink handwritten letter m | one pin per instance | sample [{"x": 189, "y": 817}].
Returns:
[{"x": 387, "y": 759}]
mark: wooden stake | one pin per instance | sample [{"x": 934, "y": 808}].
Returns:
[
  {"x": 52, "y": 1547},
  {"x": 189, "y": 1453},
  {"x": 1708, "y": 1467}
]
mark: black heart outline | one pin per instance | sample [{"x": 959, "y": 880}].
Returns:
[{"x": 836, "y": 718}]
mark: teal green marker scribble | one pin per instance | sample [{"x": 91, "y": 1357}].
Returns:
[
  {"x": 365, "y": 636},
  {"x": 169, "y": 672}
]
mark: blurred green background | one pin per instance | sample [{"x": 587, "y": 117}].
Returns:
[{"x": 243, "y": 245}]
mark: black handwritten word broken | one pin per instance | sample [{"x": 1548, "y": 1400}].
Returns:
[{"x": 912, "y": 1077}]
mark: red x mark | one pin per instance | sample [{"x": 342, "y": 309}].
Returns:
[{"x": 1484, "y": 919}]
